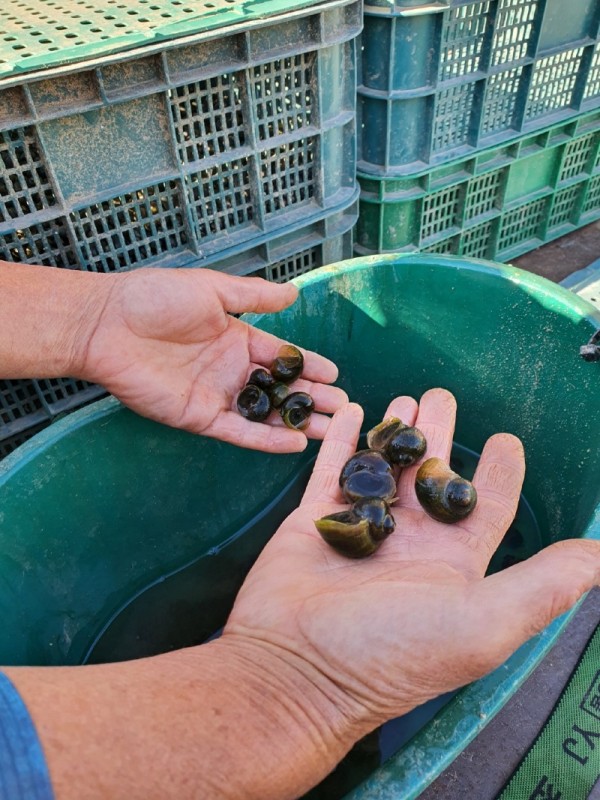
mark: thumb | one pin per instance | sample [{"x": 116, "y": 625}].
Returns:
[
  {"x": 239, "y": 295},
  {"x": 522, "y": 600}
]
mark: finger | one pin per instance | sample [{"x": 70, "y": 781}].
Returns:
[
  {"x": 327, "y": 398},
  {"x": 498, "y": 481},
  {"x": 230, "y": 427},
  {"x": 339, "y": 444},
  {"x": 239, "y": 295},
  {"x": 264, "y": 348},
  {"x": 436, "y": 419},
  {"x": 405, "y": 408},
  {"x": 521, "y": 601}
]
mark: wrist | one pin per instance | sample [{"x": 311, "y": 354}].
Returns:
[{"x": 296, "y": 724}]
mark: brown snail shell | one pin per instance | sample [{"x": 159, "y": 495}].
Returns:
[
  {"x": 288, "y": 364},
  {"x": 358, "y": 532},
  {"x": 380, "y": 435},
  {"x": 401, "y": 444},
  {"x": 442, "y": 493}
]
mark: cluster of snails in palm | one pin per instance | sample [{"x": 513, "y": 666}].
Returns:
[
  {"x": 368, "y": 483},
  {"x": 267, "y": 389}
]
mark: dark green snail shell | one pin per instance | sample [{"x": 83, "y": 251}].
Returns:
[
  {"x": 365, "y": 461},
  {"x": 253, "y": 403},
  {"x": 262, "y": 378},
  {"x": 288, "y": 364},
  {"x": 400, "y": 444},
  {"x": 278, "y": 392},
  {"x": 369, "y": 484},
  {"x": 378, "y": 514},
  {"x": 442, "y": 493},
  {"x": 296, "y": 410},
  {"x": 406, "y": 447},
  {"x": 298, "y": 419},
  {"x": 357, "y": 532},
  {"x": 367, "y": 473},
  {"x": 298, "y": 400}
]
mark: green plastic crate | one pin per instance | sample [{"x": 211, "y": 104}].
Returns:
[
  {"x": 498, "y": 204},
  {"x": 183, "y": 154},
  {"x": 442, "y": 79},
  {"x": 28, "y": 406}
]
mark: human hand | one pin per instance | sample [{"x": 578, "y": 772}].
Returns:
[
  {"x": 165, "y": 345},
  {"x": 418, "y": 618}
]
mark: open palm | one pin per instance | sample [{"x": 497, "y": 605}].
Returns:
[
  {"x": 417, "y": 618},
  {"x": 168, "y": 346}
]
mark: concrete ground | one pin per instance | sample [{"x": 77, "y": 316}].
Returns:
[
  {"x": 482, "y": 769},
  {"x": 564, "y": 256}
]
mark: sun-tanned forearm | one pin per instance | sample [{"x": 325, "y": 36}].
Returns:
[
  {"x": 228, "y": 719},
  {"x": 47, "y": 316}
]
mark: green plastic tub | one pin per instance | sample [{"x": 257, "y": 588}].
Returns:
[{"x": 120, "y": 537}]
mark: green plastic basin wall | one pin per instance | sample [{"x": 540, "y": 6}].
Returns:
[{"x": 120, "y": 537}]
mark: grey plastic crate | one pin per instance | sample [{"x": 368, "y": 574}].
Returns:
[{"x": 192, "y": 152}]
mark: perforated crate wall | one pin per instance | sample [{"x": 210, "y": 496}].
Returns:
[
  {"x": 189, "y": 154},
  {"x": 28, "y": 406},
  {"x": 497, "y": 205},
  {"x": 440, "y": 82}
]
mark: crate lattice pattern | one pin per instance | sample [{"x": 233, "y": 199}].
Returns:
[
  {"x": 283, "y": 96},
  {"x": 483, "y": 194},
  {"x": 46, "y": 243},
  {"x": 24, "y": 183},
  {"x": 220, "y": 198},
  {"x": 131, "y": 229},
  {"x": 564, "y": 206},
  {"x": 522, "y": 224},
  {"x": 577, "y": 157},
  {"x": 440, "y": 212},
  {"x": 592, "y": 200},
  {"x": 512, "y": 30},
  {"x": 293, "y": 266},
  {"x": 463, "y": 40},
  {"x": 446, "y": 247},
  {"x": 475, "y": 242},
  {"x": 453, "y": 117},
  {"x": 287, "y": 175},
  {"x": 208, "y": 117},
  {"x": 500, "y": 102},
  {"x": 553, "y": 83}
]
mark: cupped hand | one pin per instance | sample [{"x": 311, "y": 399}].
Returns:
[
  {"x": 167, "y": 346},
  {"x": 417, "y": 618}
]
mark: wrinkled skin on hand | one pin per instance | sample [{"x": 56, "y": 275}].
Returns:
[
  {"x": 166, "y": 344},
  {"x": 417, "y": 618}
]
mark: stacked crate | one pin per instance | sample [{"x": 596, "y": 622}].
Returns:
[
  {"x": 169, "y": 135},
  {"x": 479, "y": 133}
]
